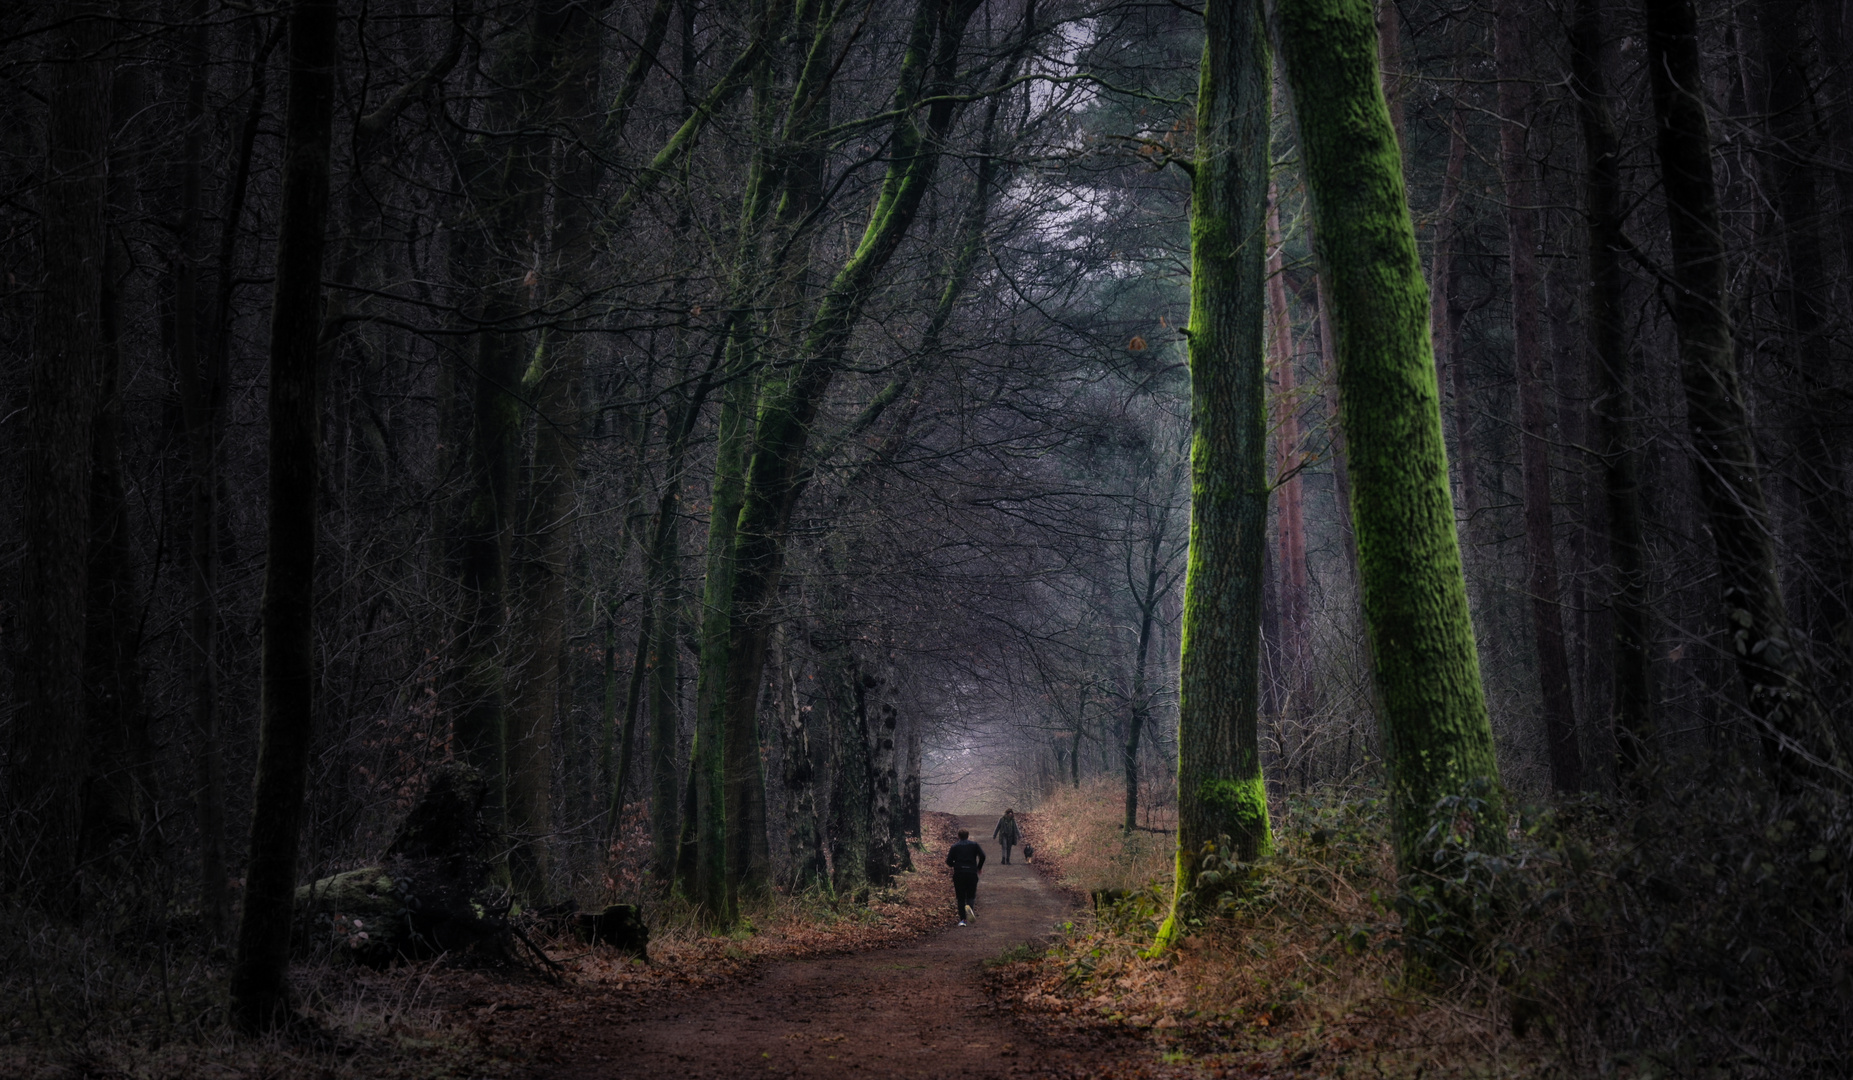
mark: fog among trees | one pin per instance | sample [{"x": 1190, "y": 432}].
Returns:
[{"x": 702, "y": 436}]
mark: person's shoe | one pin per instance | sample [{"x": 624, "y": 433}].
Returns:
[{"x": 961, "y": 922}]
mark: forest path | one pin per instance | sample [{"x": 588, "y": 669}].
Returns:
[{"x": 918, "y": 1010}]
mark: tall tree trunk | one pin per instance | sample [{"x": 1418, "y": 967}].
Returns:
[
  {"x": 67, "y": 366},
  {"x": 201, "y": 367},
  {"x": 259, "y": 992},
  {"x": 1795, "y": 734},
  {"x": 910, "y": 805},
  {"x": 732, "y": 668},
  {"x": 573, "y": 33},
  {"x": 1145, "y": 598},
  {"x": 119, "y": 780},
  {"x": 1220, "y": 790},
  {"x": 883, "y": 725},
  {"x": 1631, "y": 700},
  {"x": 505, "y": 187},
  {"x": 1390, "y": 63},
  {"x": 849, "y": 769},
  {"x": 1782, "y": 29},
  {"x": 1432, "y": 709},
  {"x": 1542, "y": 584},
  {"x": 1445, "y": 309},
  {"x": 803, "y": 834},
  {"x": 1288, "y": 458}
]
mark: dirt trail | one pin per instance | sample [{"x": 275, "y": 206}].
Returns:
[{"x": 913, "y": 1011}]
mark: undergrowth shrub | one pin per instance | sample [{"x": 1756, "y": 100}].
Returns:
[{"x": 1705, "y": 932}]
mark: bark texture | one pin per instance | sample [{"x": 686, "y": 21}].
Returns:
[
  {"x": 259, "y": 993},
  {"x": 1437, "y": 739},
  {"x": 1220, "y": 788}
]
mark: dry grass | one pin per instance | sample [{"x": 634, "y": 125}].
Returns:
[
  {"x": 1077, "y": 836},
  {"x": 1299, "y": 974},
  {"x": 1703, "y": 933}
]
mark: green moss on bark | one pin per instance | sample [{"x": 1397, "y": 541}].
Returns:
[
  {"x": 1219, "y": 758},
  {"x": 1437, "y": 740}
]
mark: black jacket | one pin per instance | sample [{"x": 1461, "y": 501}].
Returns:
[{"x": 966, "y": 857}]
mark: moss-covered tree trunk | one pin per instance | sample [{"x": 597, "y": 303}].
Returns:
[
  {"x": 1605, "y": 297},
  {"x": 775, "y": 477},
  {"x": 1437, "y": 740},
  {"x": 1220, "y": 791},
  {"x": 1542, "y": 585},
  {"x": 1795, "y": 734},
  {"x": 259, "y": 993}
]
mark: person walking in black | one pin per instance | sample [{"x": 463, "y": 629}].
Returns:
[
  {"x": 1006, "y": 833},
  {"x": 967, "y": 861}
]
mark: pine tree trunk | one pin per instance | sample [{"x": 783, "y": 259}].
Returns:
[
  {"x": 1288, "y": 457},
  {"x": 1542, "y": 584},
  {"x": 1437, "y": 739},
  {"x": 48, "y": 757},
  {"x": 1220, "y": 791},
  {"x": 1631, "y": 701},
  {"x": 1445, "y": 310},
  {"x": 259, "y": 992}
]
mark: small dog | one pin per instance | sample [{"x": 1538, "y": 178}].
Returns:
[{"x": 1029, "y": 853}]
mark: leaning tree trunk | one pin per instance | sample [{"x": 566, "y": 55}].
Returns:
[
  {"x": 1220, "y": 791},
  {"x": 1437, "y": 739},
  {"x": 775, "y": 477},
  {"x": 259, "y": 994},
  {"x": 1631, "y": 703},
  {"x": 1542, "y": 585},
  {"x": 47, "y": 757},
  {"x": 1796, "y": 736}
]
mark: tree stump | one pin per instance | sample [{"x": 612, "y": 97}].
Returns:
[{"x": 423, "y": 899}]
